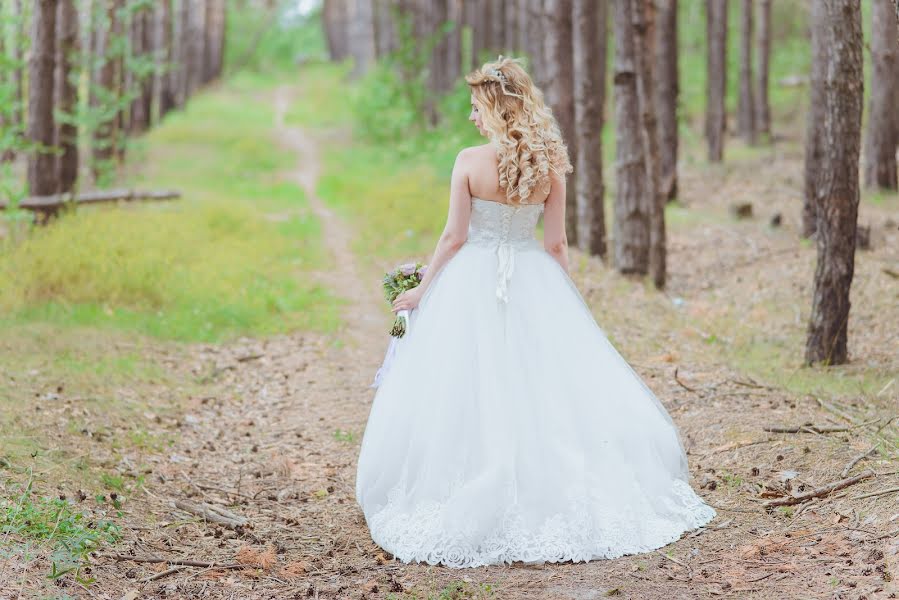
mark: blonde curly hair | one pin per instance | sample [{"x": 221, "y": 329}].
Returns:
[{"x": 522, "y": 126}]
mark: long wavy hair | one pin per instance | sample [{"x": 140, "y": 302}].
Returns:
[{"x": 522, "y": 126}]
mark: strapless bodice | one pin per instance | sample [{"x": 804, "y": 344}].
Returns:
[
  {"x": 495, "y": 222},
  {"x": 507, "y": 227}
]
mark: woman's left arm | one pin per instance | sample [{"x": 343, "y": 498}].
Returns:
[{"x": 454, "y": 233}]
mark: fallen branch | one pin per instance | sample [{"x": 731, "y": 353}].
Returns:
[
  {"x": 876, "y": 493},
  {"x": 681, "y": 383},
  {"x": 857, "y": 459},
  {"x": 49, "y": 203},
  {"x": 212, "y": 513},
  {"x": 819, "y": 492},
  {"x": 174, "y": 561},
  {"x": 807, "y": 428},
  {"x": 165, "y": 573}
]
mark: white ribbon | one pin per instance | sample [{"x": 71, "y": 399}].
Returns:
[
  {"x": 506, "y": 263},
  {"x": 391, "y": 349}
]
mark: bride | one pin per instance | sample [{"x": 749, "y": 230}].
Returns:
[{"x": 508, "y": 427}]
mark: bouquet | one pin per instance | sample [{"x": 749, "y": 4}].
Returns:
[{"x": 404, "y": 277}]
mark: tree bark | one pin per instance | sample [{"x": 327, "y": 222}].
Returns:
[
  {"x": 666, "y": 91},
  {"x": 644, "y": 31},
  {"x": 882, "y": 136},
  {"x": 590, "y": 20},
  {"x": 139, "y": 115},
  {"x": 814, "y": 149},
  {"x": 746, "y": 104},
  {"x": 512, "y": 14},
  {"x": 67, "y": 93},
  {"x": 361, "y": 35},
  {"x": 497, "y": 27},
  {"x": 632, "y": 206},
  {"x": 166, "y": 77},
  {"x": 41, "y": 129},
  {"x": 839, "y": 23},
  {"x": 763, "y": 43},
  {"x": 19, "y": 38},
  {"x": 716, "y": 80},
  {"x": 535, "y": 49},
  {"x": 560, "y": 95},
  {"x": 454, "y": 44}
]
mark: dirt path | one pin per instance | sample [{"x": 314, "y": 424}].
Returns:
[{"x": 277, "y": 445}]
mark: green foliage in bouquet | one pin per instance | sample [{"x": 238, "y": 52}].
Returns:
[{"x": 404, "y": 277}]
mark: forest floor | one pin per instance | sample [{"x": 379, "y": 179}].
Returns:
[{"x": 274, "y": 436}]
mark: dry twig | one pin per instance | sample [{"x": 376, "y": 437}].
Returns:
[{"x": 818, "y": 492}]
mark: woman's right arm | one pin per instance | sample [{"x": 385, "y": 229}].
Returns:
[{"x": 554, "y": 239}]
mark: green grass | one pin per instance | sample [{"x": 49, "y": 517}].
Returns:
[
  {"x": 234, "y": 256},
  {"x": 31, "y": 524}
]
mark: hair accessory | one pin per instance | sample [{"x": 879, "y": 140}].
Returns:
[{"x": 494, "y": 72}]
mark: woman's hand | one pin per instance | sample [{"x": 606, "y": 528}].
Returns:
[{"x": 408, "y": 299}]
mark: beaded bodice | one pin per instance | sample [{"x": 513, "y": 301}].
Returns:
[{"x": 509, "y": 228}]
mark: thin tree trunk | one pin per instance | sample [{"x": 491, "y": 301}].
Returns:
[
  {"x": 67, "y": 93},
  {"x": 814, "y": 145},
  {"x": 882, "y": 137},
  {"x": 139, "y": 116},
  {"x": 41, "y": 74},
  {"x": 632, "y": 205},
  {"x": 560, "y": 93},
  {"x": 535, "y": 37},
  {"x": 512, "y": 14},
  {"x": 746, "y": 105},
  {"x": 20, "y": 37},
  {"x": 763, "y": 42},
  {"x": 667, "y": 89},
  {"x": 454, "y": 44},
  {"x": 498, "y": 26},
  {"x": 839, "y": 22},
  {"x": 716, "y": 82},
  {"x": 645, "y": 35},
  {"x": 590, "y": 20},
  {"x": 165, "y": 56}
]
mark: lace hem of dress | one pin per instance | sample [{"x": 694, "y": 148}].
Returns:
[{"x": 576, "y": 535}]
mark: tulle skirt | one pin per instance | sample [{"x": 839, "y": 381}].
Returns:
[{"x": 514, "y": 431}]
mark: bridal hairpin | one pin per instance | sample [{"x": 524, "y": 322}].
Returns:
[{"x": 494, "y": 72}]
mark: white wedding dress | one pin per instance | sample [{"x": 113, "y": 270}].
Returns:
[{"x": 508, "y": 428}]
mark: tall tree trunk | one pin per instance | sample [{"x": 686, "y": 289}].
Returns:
[
  {"x": 41, "y": 129},
  {"x": 334, "y": 19},
  {"x": 839, "y": 22},
  {"x": 632, "y": 205},
  {"x": 164, "y": 58},
  {"x": 814, "y": 144},
  {"x": 67, "y": 93},
  {"x": 19, "y": 38},
  {"x": 385, "y": 28},
  {"x": 763, "y": 42},
  {"x": 139, "y": 116},
  {"x": 643, "y": 21},
  {"x": 512, "y": 14},
  {"x": 882, "y": 136},
  {"x": 746, "y": 105},
  {"x": 536, "y": 50},
  {"x": 454, "y": 44},
  {"x": 196, "y": 47},
  {"x": 590, "y": 20},
  {"x": 667, "y": 89},
  {"x": 716, "y": 79},
  {"x": 560, "y": 93},
  {"x": 498, "y": 26}
]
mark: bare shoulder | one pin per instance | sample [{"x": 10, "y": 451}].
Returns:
[{"x": 476, "y": 152}]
